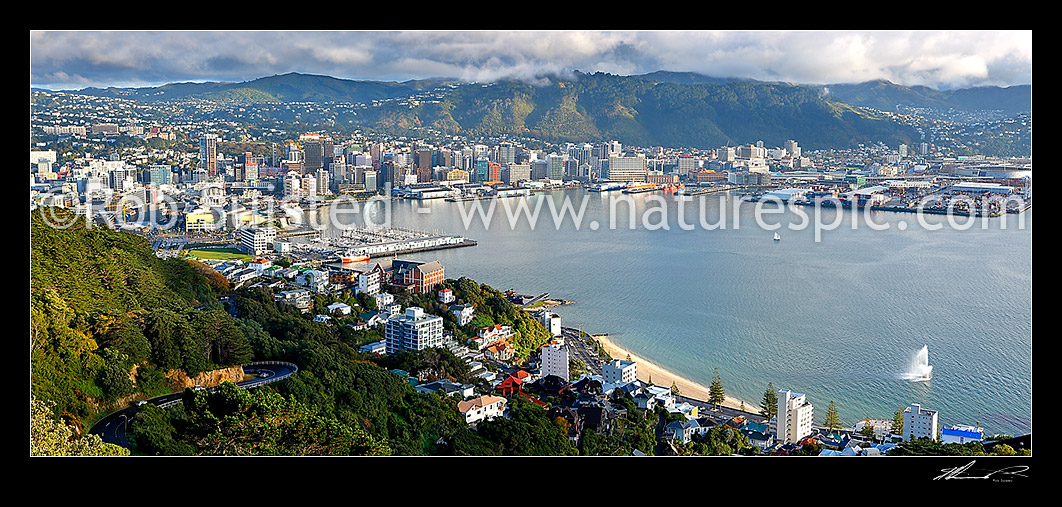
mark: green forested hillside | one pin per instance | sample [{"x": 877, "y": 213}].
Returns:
[
  {"x": 108, "y": 320},
  {"x": 645, "y": 112},
  {"x": 102, "y": 306}
]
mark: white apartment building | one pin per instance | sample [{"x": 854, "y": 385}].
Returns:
[
  {"x": 257, "y": 240},
  {"x": 369, "y": 283},
  {"x": 413, "y": 330},
  {"x": 794, "y": 417},
  {"x": 552, "y": 322},
  {"x": 919, "y": 423},
  {"x": 555, "y": 360},
  {"x": 619, "y": 371}
]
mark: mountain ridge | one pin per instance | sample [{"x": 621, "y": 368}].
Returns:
[{"x": 680, "y": 109}]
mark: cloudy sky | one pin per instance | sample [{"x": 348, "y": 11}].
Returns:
[{"x": 939, "y": 59}]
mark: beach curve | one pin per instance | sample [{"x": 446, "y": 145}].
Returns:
[{"x": 662, "y": 377}]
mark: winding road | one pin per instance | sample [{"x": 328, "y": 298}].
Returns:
[{"x": 113, "y": 427}]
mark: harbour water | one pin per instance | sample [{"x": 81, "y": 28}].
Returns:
[{"x": 837, "y": 314}]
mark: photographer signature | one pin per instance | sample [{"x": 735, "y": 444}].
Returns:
[{"x": 955, "y": 473}]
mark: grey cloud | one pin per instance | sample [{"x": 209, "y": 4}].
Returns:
[{"x": 940, "y": 59}]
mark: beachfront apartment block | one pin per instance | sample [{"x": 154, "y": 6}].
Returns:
[
  {"x": 555, "y": 360},
  {"x": 413, "y": 330},
  {"x": 619, "y": 371},
  {"x": 551, "y": 321},
  {"x": 919, "y": 423},
  {"x": 794, "y": 417}
]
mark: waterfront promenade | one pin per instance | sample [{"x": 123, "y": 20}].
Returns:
[{"x": 663, "y": 377}]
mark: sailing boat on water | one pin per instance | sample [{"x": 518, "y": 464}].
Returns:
[{"x": 777, "y": 237}]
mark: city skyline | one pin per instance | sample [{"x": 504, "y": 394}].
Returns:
[{"x": 937, "y": 59}]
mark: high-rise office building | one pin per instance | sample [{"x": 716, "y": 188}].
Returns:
[
  {"x": 493, "y": 171},
  {"x": 555, "y": 166},
  {"x": 482, "y": 169},
  {"x": 323, "y": 186},
  {"x": 726, "y": 154},
  {"x": 208, "y": 154},
  {"x": 257, "y": 240},
  {"x": 369, "y": 178},
  {"x": 518, "y": 173},
  {"x": 629, "y": 169},
  {"x": 506, "y": 153},
  {"x": 157, "y": 175},
  {"x": 313, "y": 151}
]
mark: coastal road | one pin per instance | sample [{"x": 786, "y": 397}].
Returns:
[
  {"x": 577, "y": 349},
  {"x": 112, "y": 428}
]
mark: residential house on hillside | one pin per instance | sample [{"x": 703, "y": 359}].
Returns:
[
  {"x": 447, "y": 388},
  {"x": 299, "y": 298},
  {"x": 384, "y": 299},
  {"x": 338, "y": 307},
  {"x": 314, "y": 280},
  {"x": 683, "y": 432},
  {"x": 463, "y": 314},
  {"x": 509, "y": 386},
  {"x": 596, "y": 418},
  {"x": 482, "y": 408},
  {"x": 499, "y": 351},
  {"x": 491, "y": 334}
]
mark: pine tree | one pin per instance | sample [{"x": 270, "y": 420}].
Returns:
[
  {"x": 868, "y": 429},
  {"x": 769, "y": 405},
  {"x": 833, "y": 422},
  {"x": 897, "y": 422},
  {"x": 716, "y": 394}
]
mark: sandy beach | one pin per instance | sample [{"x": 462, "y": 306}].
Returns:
[{"x": 662, "y": 377}]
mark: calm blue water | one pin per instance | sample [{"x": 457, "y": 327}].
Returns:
[{"x": 838, "y": 318}]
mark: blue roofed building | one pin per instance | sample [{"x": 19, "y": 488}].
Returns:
[{"x": 959, "y": 434}]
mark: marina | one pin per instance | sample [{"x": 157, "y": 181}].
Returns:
[{"x": 362, "y": 244}]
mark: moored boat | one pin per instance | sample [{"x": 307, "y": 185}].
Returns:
[{"x": 349, "y": 258}]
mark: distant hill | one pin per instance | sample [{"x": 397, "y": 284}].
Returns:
[
  {"x": 661, "y": 108},
  {"x": 646, "y": 112},
  {"x": 885, "y": 96},
  {"x": 292, "y": 87},
  {"x": 692, "y": 78}
]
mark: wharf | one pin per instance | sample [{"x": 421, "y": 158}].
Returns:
[
  {"x": 394, "y": 253},
  {"x": 707, "y": 190},
  {"x": 466, "y": 242},
  {"x": 299, "y": 233},
  {"x": 907, "y": 209}
]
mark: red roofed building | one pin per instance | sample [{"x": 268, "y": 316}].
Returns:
[{"x": 510, "y": 386}]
